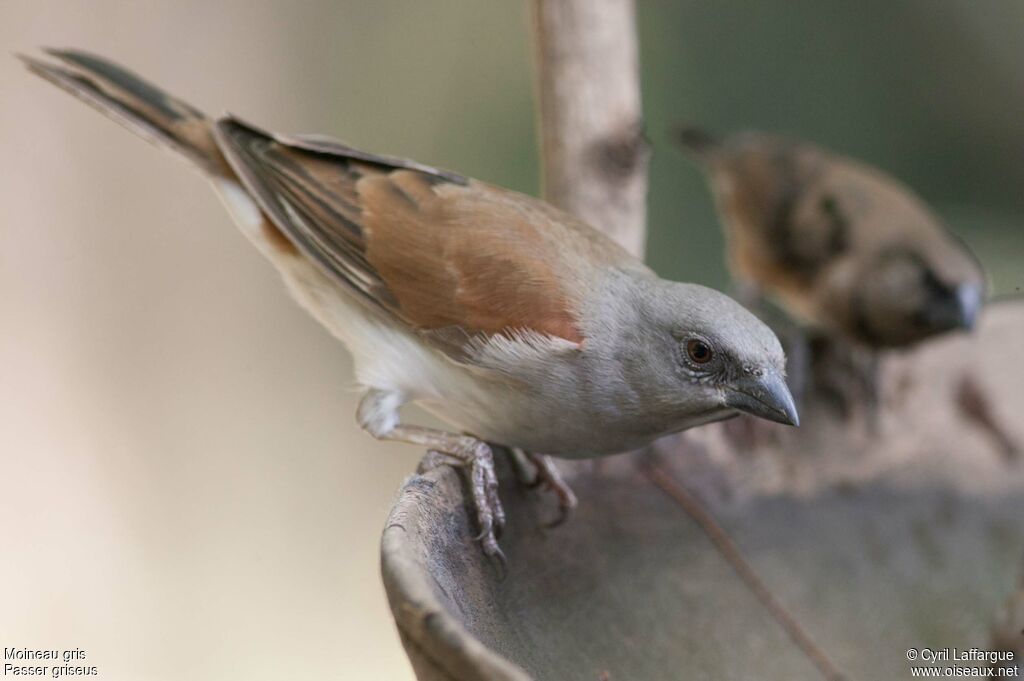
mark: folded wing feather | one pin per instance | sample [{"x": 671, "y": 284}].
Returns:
[{"x": 449, "y": 257}]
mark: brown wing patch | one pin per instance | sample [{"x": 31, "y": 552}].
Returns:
[
  {"x": 451, "y": 262},
  {"x": 433, "y": 250}
]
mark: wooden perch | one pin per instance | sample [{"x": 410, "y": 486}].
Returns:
[{"x": 588, "y": 85}]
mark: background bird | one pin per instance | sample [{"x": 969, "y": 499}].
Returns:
[
  {"x": 840, "y": 245},
  {"x": 850, "y": 253},
  {"x": 506, "y": 317}
]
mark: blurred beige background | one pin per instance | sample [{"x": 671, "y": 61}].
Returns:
[{"x": 185, "y": 493}]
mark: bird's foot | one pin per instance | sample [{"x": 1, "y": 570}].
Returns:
[
  {"x": 476, "y": 458},
  {"x": 539, "y": 470},
  {"x": 522, "y": 466},
  {"x": 378, "y": 414}
]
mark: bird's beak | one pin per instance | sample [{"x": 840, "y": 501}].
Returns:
[
  {"x": 766, "y": 396},
  {"x": 968, "y": 300}
]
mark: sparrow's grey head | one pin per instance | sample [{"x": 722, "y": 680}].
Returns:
[{"x": 701, "y": 357}]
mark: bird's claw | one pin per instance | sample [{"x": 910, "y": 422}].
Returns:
[
  {"x": 478, "y": 459},
  {"x": 491, "y": 520},
  {"x": 549, "y": 476},
  {"x": 496, "y": 555},
  {"x": 566, "y": 505},
  {"x": 490, "y": 514}
]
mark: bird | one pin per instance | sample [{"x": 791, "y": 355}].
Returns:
[
  {"x": 843, "y": 247},
  {"x": 515, "y": 323}
]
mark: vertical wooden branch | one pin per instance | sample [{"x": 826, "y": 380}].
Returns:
[{"x": 588, "y": 85}]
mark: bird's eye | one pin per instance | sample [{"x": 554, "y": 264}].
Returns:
[{"x": 698, "y": 351}]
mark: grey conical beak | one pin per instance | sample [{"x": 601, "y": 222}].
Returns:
[{"x": 766, "y": 396}]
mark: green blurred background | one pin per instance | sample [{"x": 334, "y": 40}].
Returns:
[{"x": 186, "y": 494}]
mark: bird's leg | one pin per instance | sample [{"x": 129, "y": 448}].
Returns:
[
  {"x": 550, "y": 477},
  {"x": 534, "y": 470},
  {"x": 378, "y": 415},
  {"x": 475, "y": 455},
  {"x": 526, "y": 473}
]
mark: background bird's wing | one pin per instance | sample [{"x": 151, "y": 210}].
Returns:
[{"x": 449, "y": 257}]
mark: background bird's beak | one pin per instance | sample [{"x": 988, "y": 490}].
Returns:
[
  {"x": 956, "y": 308},
  {"x": 969, "y": 300},
  {"x": 765, "y": 396}
]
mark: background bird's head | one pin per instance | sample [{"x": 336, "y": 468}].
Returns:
[{"x": 905, "y": 295}]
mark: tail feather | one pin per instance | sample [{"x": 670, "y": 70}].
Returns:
[{"x": 136, "y": 104}]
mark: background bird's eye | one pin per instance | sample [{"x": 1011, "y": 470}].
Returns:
[{"x": 698, "y": 351}]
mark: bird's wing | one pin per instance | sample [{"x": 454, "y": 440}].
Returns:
[{"x": 451, "y": 258}]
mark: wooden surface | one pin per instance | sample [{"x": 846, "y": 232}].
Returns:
[
  {"x": 909, "y": 537},
  {"x": 593, "y": 152}
]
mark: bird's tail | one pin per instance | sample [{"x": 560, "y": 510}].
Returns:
[
  {"x": 697, "y": 141},
  {"x": 136, "y": 104}
]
